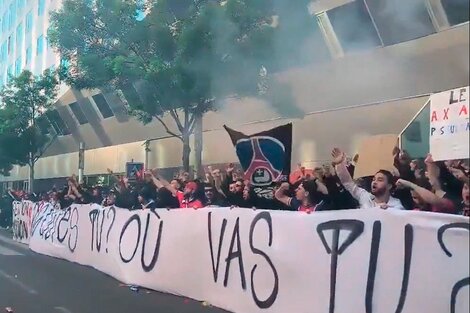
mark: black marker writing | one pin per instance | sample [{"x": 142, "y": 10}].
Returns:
[
  {"x": 356, "y": 228},
  {"x": 463, "y": 282},
  {"x": 215, "y": 266},
  {"x": 237, "y": 254},
  {"x": 263, "y": 304}
]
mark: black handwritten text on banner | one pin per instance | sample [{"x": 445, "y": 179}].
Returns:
[{"x": 247, "y": 261}]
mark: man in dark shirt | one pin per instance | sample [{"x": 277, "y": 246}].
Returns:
[
  {"x": 144, "y": 200},
  {"x": 213, "y": 198},
  {"x": 306, "y": 197}
]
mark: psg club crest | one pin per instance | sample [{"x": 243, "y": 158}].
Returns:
[
  {"x": 134, "y": 171},
  {"x": 265, "y": 157}
]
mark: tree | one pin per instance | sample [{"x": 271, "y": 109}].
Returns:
[
  {"x": 182, "y": 60},
  {"x": 23, "y": 101}
]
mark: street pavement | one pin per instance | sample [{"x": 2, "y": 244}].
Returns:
[{"x": 33, "y": 283}]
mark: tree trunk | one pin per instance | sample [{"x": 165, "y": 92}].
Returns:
[
  {"x": 186, "y": 151},
  {"x": 31, "y": 178},
  {"x": 198, "y": 147}
]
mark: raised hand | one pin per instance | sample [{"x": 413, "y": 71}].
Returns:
[
  {"x": 356, "y": 158},
  {"x": 458, "y": 173},
  {"x": 402, "y": 184},
  {"x": 154, "y": 172},
  {"x": 338, "y": 156},
  {"x": 429, "y": 159}
]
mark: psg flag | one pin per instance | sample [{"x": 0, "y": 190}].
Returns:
[{"x": 266, "y": 156}]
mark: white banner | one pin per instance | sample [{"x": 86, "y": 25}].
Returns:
[
  {"x": 449, "y": 125},
  {"x": 23, "y": 213},
  {"x": 250, "y": 261}
]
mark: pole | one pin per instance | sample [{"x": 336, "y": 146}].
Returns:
[
  {"x": 198, "y": 144},
  {"x": 147, "y": 152},
  {"x": 81, "y": 162},
  {"x": 31, "y": 173}
]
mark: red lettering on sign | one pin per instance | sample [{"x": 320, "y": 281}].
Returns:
[
  {"x": 434, "y": 116},
  {"x": 463, "y": 110},
  {"x": 446, "y": 111}
]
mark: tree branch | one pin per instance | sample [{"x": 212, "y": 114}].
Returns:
[
  {"x": 144, "y": 62},
  {"x": 168, "y": 129},
  {"x": 192, "y": 123},
  {"x": 186, "y": 118},
  {"x": 40, "y": 154},
  {"x": 176, "y": 117}
]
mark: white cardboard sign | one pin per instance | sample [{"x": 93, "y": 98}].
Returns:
[
  {"x": 449, "y": 125},
  {"x": 250, "y": 261}
]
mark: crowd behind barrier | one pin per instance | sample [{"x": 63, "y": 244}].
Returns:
[
  {"x": 215, "y": 242},
  {"x": 253, "y": 261},
  {"x": 416, "y": 184}
]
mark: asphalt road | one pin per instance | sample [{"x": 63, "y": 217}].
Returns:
[{"x": 33, "y": 283}]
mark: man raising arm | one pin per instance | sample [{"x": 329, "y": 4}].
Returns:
[{"x": 381, "y": 186}]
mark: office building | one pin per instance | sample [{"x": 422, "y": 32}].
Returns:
[{"x": 23, "y": 37}]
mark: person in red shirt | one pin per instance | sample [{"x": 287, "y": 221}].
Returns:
[
  {"x": 465, "y": 205},
  {"x": 187, "y": 198},
  {"x": 426, "y": 200}
]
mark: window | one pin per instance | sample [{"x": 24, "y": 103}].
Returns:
[
  {"x": 103, "y": 105},
  {"x": 9, "y": 72},
  {"x": 12, "y": 15},
  {"x": 40, "y": 45},
  {"x": 43, "y": 124},
  {"x": 399, "y": 21},
  {"x": 3, "y": 52},
  {"x": 5, "y": 22},
  {"x": 415, "y": 137},
  {"x": 64, "y": 63},
  {"x": 10, "y": 47},
  {"x": 41, "y": 6},
  {"x": 29, "y": 21},
  {"x": 457, "y": 11},
  {"x": 19, "y": 34},
  {"x": 79, "y": 115},
  {"x": 20, "y": 4},
  {"x": 28, "y": 56},
  {"x": 353, "y": 27},
  {"x": 18, "y": 66},
  {"x": 57, "y": 123}
]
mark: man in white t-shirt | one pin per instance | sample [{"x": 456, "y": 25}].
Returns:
[{"x": 381, "y": 187}]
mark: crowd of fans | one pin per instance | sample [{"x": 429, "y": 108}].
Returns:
[{"x": 419, "y": 184}]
